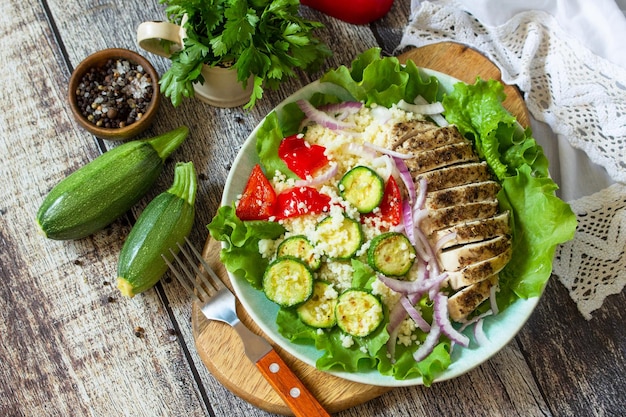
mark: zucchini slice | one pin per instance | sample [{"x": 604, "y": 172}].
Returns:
[
  {"x": 358, "y": 313},
  {"x": 339, "y": 239},
  {"x": 391, "y": 254},
  {"x": 319, "y": 310},
  {"x": 299, "y": 247},
  {"x": 363, "y": 188},
  {"x": 288, "y": 282}
]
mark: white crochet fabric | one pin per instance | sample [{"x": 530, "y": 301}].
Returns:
[
  {"x": 593, "y": 265},
  {"x": 582, "y": 97}
]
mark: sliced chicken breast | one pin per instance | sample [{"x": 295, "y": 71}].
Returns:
[
  {"x": 440, "y": 157},
  {"x": 473, "y": 231},
  {"x": 463, "y": 219},
  {"x": 465, "y": 301},
  {"x": 462, "y": 194},
  {"x": 454, "y": 175},
  {"x": 478, "y": 271},
  {"x": 418, "y": 136},
  {"x": 459, "y": 257},
  {"x": 404, "y": 131},
  {"x": 449, "y": 216}
]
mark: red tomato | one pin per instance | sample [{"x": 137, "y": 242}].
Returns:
[
  {"x": 302, "y": 158},
  {"x": 358, "y": 12},
  {"x": 391, "y": 204},
  {"x": 258, "y": 198},
  {"x": 298, "y": 201}
]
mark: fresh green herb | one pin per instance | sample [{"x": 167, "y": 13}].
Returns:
[{"x": 265, "y": 39}]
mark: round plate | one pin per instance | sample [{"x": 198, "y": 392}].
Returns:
[{"x": 499, "y": 329}]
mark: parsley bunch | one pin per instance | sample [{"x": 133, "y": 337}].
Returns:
[{"x": 263, "y": 38}]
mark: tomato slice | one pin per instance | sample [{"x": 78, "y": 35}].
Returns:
[
  {"x": 301, "y": 157},
  {"x": 258, "y": 199},
  {"x": 299, "y": 201},
  {"x": 391, "y": 204}
]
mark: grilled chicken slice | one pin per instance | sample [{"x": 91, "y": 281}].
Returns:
[
  {"x": 459, "y": 257},
  {"x": 460, "y": 213},
  {"x": 440, "y": 157},
  {"x": 465, "y": 301},
  {"x": 462, "y": 194},
  {"x": 420, "y": 135},
  {"x": 473, "y": 231},
  {"x": 454, "y": 175},
  {"x": 478, "y": 271},
  {"x": 404, "y": 131}
]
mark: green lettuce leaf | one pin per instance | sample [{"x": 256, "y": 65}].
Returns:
[
  {"x": 541, "y": 221},
  {"x": 241, "y": 255},
  {"x": 384, "y": 81}
]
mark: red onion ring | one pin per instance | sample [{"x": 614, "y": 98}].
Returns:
[
  {"x": 405, "y": 175},
  {"x": 415, "y": 315},
  {"x": 429, "y": 343},
  {"x": 343, "y": 109},
  {"x": 321, "y": 117},
  {"x": 419, "y": 286},
  {"x": 437, "y": 118},
  {"x": 386, "y": 151},
  {"x": 407, "y": 219},
  {"x": 443, "y": 240},
  {"x": 359, "y": 150},
  {"x": 479, "y": 334},
  {"x": 492, "y": 299},
  {"x": 440, "y": 309},
  {"x": 396, "y": 316},
  {"x": 420, "y": 199},
  {"x": 422, "y": 107}
]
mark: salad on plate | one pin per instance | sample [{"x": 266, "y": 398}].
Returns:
[{"x": 385, "y": 214}]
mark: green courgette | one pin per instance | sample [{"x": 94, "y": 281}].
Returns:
[
  {"x": 299, "y": 247},
  {"x": 363, "y": 188},
  {"x": 391, "y": 254},
  {"x": 358, "y": 313},
  {"x": 339, "y": 238},
  {"x": 319, "y": 310},
  {"x": 165, "y": 221},
  {"x": 288, "y": 282},
  {"x": 96, "y": 194}
]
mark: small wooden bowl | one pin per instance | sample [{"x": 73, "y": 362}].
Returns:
[{"x": 99, "y": 59}]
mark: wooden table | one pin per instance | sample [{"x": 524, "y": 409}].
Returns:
[{"x": 71, "y": 346}]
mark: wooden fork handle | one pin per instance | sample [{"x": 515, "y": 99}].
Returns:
[{"x": 289, "y": 386}]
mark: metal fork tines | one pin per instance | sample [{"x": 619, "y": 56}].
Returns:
[
  {"x": 216, "y": 300},
  {"x": 218, "y": 303}
]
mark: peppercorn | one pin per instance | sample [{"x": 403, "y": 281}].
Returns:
[{"x": 114, "y": 95}]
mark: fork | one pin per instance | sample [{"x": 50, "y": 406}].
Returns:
[{"x": 218, "y": 303}]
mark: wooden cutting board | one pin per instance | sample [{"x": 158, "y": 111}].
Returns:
[{"x": 219, "y": 346}]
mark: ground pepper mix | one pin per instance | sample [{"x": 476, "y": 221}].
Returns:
[{"x": 114, "y": 95}]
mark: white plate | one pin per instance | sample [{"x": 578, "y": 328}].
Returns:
[{"x": 499, "y": 329}]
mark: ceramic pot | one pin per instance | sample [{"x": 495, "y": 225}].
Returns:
[{"x": 220, "y": 87}]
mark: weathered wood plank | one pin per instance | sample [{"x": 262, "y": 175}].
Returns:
[{"x": 579, "y": 364}]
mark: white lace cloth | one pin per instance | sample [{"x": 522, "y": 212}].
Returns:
[{"x": 552, "y": 56}]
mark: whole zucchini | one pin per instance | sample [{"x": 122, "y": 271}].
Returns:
[
  {"x": 96, "y": 194},
  {"x": 165, "y": 221}
]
